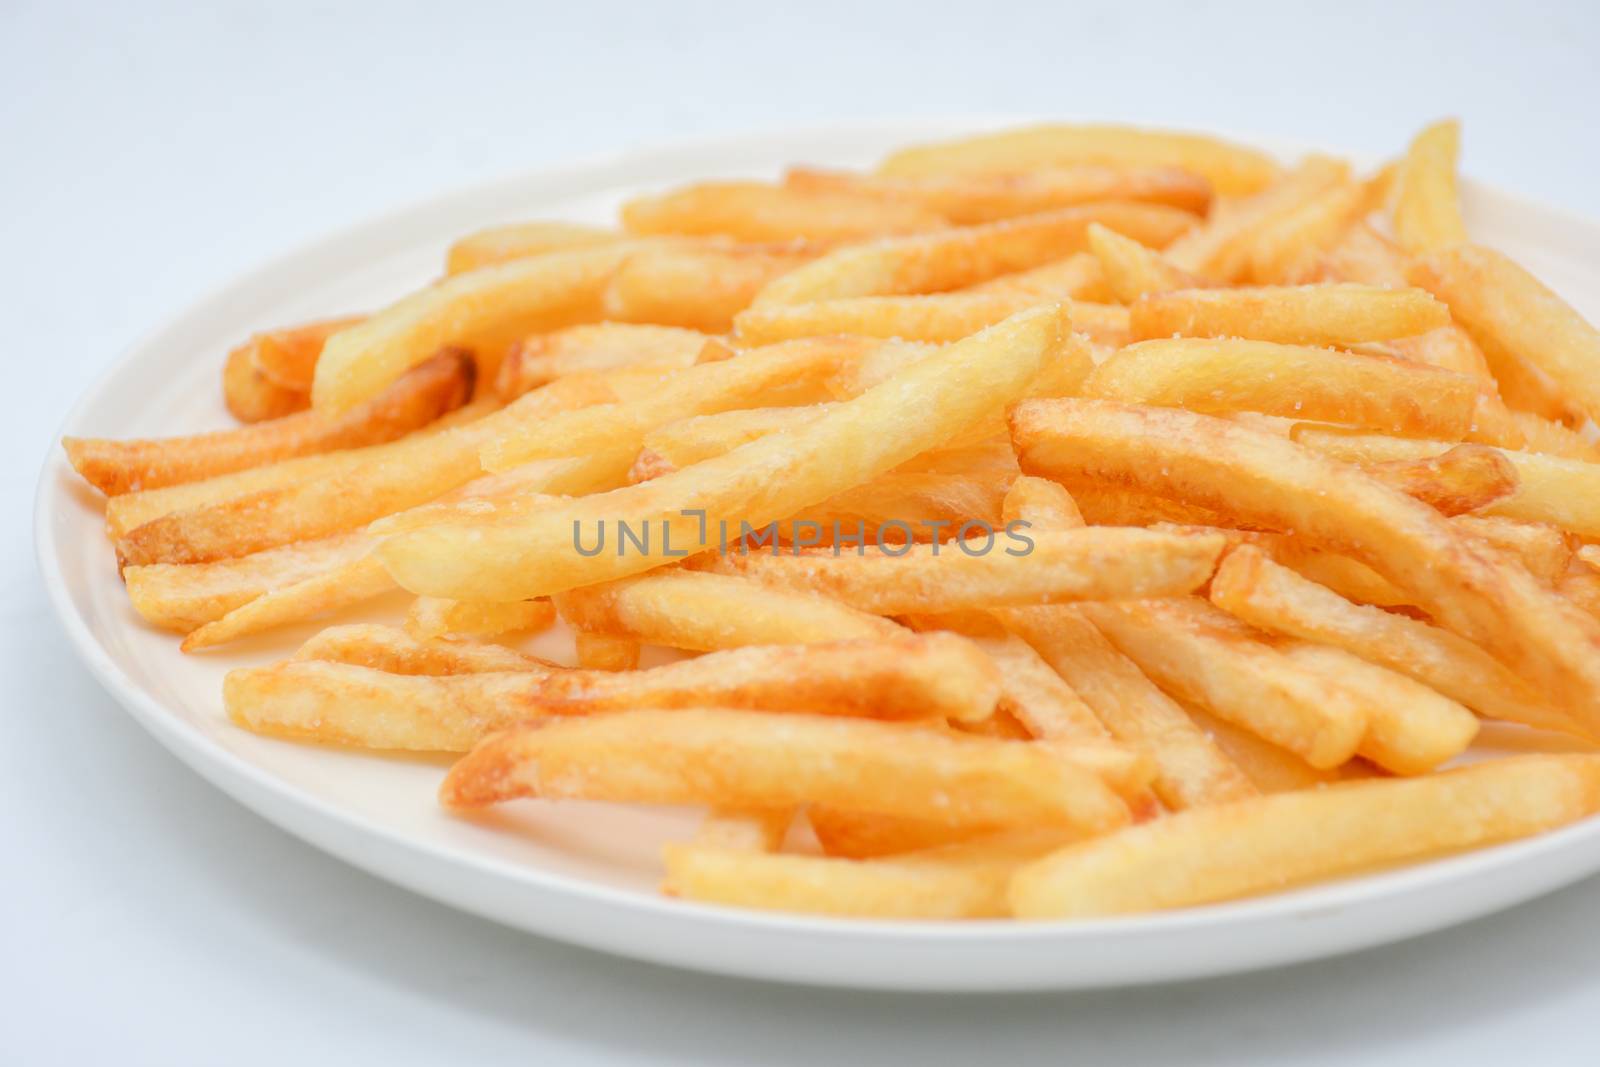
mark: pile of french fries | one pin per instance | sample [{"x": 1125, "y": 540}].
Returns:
[{"x": 1063, "y": 522}]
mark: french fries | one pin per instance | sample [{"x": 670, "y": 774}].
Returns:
[{"x": 1062, "y": 522}]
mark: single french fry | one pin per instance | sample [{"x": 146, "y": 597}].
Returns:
[
  {"x": 1208, "y": 658},
  {"x": 704, "y": 612},
  {"x": 756, "y": 484},
  {"x": 430, "y": 617},
  {"x": 1220, "y": 376},
  {"x": 1549, "y": 489},
  {"x": 1221, "y": 249},
  {"x": 1190, "y": 769},
  {"x": 1273, "y": 482},
  {"x": 1462, "y": 479},
  {"x": 734, "y": 757},
  {"x": 384, "y": 648},
  {"x": 288, "y": 357},
  {"x": 1132, "y": 270},
  {"x": 1266, "y": 766},
  {"x": 1231, "y": 169},
  {"x": 756, "y": 211},
  {"x": 964, "y": 256},
  {"x": 523, "y": 240},
  {"x": 696, "y": 287},
  {"x": 744, "y": 829},
  {"x": 861, "y": 835},
  {"x": 605, "y": 346},
  {"x": 324, "y": 593},
  {"x": 1263, "y": 844},
  {"x": 1096, "y": 563},
  {"x": 482, "y": 310},
  {"x": 967, "y": 199},
  {"x": 1271, "y": 597},
  {"x": 605, "y": 652},
  {"x": 1339, "y": 314},
  {"x": 911, "y": 677},
  {"x": 428, "y": 391},
  {"x": 1509, "y": 311},
  {"x": 1427, "y": 209},
  {"x": 1076, "y": 277},
  {"x": 251, "y": 396},
  {"x": 184, "y": 597},
  {"x": 934, "y": 317}
]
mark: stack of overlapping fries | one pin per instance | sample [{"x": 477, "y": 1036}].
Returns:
[{"x": 1060, "y": 522}]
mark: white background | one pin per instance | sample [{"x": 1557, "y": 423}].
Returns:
[{"x": 148, "y": 153}]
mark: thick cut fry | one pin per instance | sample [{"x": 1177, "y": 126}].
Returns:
[
  {"x": 1275, "y": 483},
  {"x": 482, "y": 310},
  {"x": 605, "y": 346},
  {"x": 756, "y": 484},
  {"x": 604, "y": 652},
  {"x": 1289, "y": 314},
  {"x": 1222, "y": 376},
  {"x": 934, "y": 317},
  {"x": 1266, "y": 844},
  {"x": 1132, "y": 270},
  {"x": 184, "y": 597},
  {"x": 699, "y": 288},
  {"x": 1099, "y": 563},
  {"x": 288, "y": 357},
  {"x": 430, "y": 617},
  {"x": 384, "y": 648},
  {"x": 1207, "y": 658},
  {"x": 1077, "y": 277},
  {"x": 113, "y": 467},
  {"x": 1252, "y": 587},
  {"x": 251, "y": 396},
  {"x": 704, "y": 612},
  {"x": 794, "y": 372},
  {"x": 1222, "y": 249},
  {"x": 756, "y": 211},
  {"x": 1511, "y": 313},
  {"x": 1427, "y": 209},
  {"x": 1549, "y": 489},
  {"x": 502, "y": 244},
  {"x": 967, "y": 199},
  {"x": 1231, "y": 169},
  {"x": 1190, "y": 769},
  {"x": 955, "y": 258},
  {"x": 911, "y": 677},
  {"x": 733, "y": 757}
]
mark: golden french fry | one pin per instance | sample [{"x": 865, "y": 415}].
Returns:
[
  {"x": 1510, "y": 312},
  {"x": 324, "y": 593},
  {"x": 1231, "y": 169},
  {"x": 1077, "y": 277},
  {"x": 1340, "y": 314},
  {"x": 605, "y": 346},
  {"x": 756, "y": 211},
  {"x": 482, "y": 310},
  {"x": 251, "y": 396},
  {"x": 1210, "y": 659},
  {"x": 966, "y": 199},
  {"x": 910, "y": 677},
  {"x": 1464, "y": 478},
  {"x": 704, "y": 612},
  {"x": 1265, "y": 766},
  {"x": 384, "y": 648},
  {"x": 430, "y": 390},
  {"x": 1260, "y": 845},
  {"x": 1190, "y": 769},
  {"x": 1040, "y": 503},
  {"x": 288, "y": 357},
  {"x": 1096, "y": 563},
  {"x": 1540, "y": 547},
  {"x": 1132, "y": 270},
  {"x": 1293, "y": 241},
  {"x": 1427, "y": 209},
  {"x": 605, "y": 652},
  {"x": 866, "y": 835},
  {"x": 963, "y": 256},
  {"x": 523, "y": 240},
  {"x": 932, "y": 317},
  {"x": 697, "y": 287},
  {"x": 1222, "y": 376},
  {"x": 1553, "y": 438},
  {"x": 430, "y": 617},
  {"x": 756, "y": 484},
  {"x": 1223, "y": 247},
  {"x": 1276, "y": 483},
  {"x": 685, "y": 442},
  {"x": 184, "y": 597},
  {"x": 1252, "y": 587},
  {"x": 1549, "y": 489}
]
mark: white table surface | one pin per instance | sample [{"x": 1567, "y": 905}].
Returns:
[{"x": 148, "y": 153}]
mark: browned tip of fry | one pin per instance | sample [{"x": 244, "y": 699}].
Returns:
[
  {"x": 1465, "y": 478},
  {"x": 484, "y": 776}
]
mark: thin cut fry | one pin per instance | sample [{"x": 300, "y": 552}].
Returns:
[
  {"x": 384, "y": 648},
  {"x": 1289, "y": 314},
  {"x": 502, "y": 244},
  {"x": 1427, "y": 210},
  {"x": 1132, "y": 270},
  {"x": 698, "y": 288},
  {"x": 934, "y": 317}
]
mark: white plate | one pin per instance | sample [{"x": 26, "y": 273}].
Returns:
[{"x": 586, "y": 873}]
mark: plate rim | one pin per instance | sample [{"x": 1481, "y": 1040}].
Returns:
[{"x": 240, "y": 779}]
